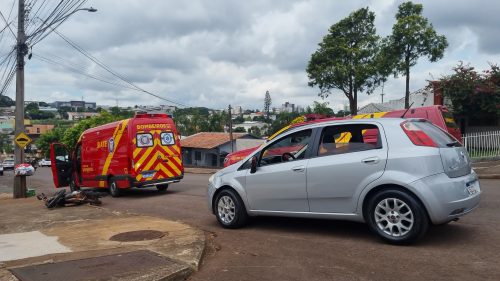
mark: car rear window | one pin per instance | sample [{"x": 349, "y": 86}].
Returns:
[
  {"x": 341, "y": 139},
  {"x": 440, "y": 137}
]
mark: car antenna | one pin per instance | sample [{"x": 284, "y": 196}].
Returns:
[{"x": 403, "y": 116}]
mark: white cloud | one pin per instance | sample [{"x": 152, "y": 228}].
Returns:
[{"x": 212, "y": 53}]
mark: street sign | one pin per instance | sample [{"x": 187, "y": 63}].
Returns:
[{"x": 22, "y": 140}]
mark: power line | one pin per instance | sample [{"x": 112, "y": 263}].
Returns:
[
  {"x": 45, "y": 59},
  {"x": 8, "y": 25},
  {"x": 108, "y": 69}
]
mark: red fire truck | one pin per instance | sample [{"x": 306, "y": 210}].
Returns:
[{"x": 137, "y": 152}]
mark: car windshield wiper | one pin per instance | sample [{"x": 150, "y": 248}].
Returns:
[{"x": 452, "y": 144}]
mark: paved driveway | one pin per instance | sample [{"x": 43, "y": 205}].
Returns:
[{"x": 299, "y": 249}]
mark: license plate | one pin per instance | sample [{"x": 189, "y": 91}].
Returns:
[{"x": 473, "y": 187}]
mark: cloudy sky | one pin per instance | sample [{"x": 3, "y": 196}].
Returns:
[{"x": 215, "y": 53}]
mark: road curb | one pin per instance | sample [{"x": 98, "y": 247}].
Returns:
[
  {"x": 489, "y": 176},
  {"x": 183, "y": 244}
]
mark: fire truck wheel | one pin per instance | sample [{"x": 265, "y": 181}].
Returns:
[
  {"x": 114, "y": 190},
  {"x": 162, "y": 187}
]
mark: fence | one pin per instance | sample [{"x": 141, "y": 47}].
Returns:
[{"x": 482, "y": 144}]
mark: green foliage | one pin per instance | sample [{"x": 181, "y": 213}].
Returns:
[
  {"x": 472, "y": 93},
  {"x": 342, "y": 113},
  {"x": 71, "y": 135},
  {"x": 63, "y": 111},
  {"x": 347, "y": 58},
  {"x": 267, "y": 104},
  {"x": 203, "y": 111},
  {"x": 239, "y": 130},
  {"x": 412, "y": 37},
  {"x": 322, "y": 108},
  {"x": 44, "y": 141},
  {"x": 254, "y": 130},
  {"x": 6, "y": 144},
  {"x": 194, "y": 120},
  {"x": 5, "y": 101},
  {"x": 33, "y": 112},
  {"x": 283, "y": 119},
  {"x": 239, "y": 120}
]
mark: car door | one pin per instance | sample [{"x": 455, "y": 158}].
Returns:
[
  {"x": 279, "y": 182},
  {"x": 61, "y": 164},
  {"x": 347, "y": 158}
]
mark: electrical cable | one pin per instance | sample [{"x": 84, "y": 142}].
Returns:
[
  {"x": 42, "y": 58},
  {"x": 95, "y": 60}
]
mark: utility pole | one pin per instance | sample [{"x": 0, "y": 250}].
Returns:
[
  {"x": 382, "y": 94},
  {"x": 231, "y": 128},
  {"x": 22, "y": 50}
]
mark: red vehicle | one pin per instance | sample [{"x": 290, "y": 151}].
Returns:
[
  {"x": 436, "y": 114},
  {"x": 137, "y": 152}
]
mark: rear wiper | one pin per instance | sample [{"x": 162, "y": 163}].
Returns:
[{"x": 452, "y": 144}]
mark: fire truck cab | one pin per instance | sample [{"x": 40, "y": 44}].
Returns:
[{"x": 137, "y": 152}]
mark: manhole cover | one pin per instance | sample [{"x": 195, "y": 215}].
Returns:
[{"x": 139, "y": 235}]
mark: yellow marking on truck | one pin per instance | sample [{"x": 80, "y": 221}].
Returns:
[{"x": 117, "y": 135}]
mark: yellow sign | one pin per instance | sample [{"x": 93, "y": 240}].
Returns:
[{"x": 22, "y": 140}]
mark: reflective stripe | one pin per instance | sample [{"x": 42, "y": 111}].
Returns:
[{"x": 117, "y": 135}]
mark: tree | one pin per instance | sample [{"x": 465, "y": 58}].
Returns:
[
  {"x": 322, "y": 108},
  {"x": 346, "y": 58},
  {"x": 239, "y": 130},
  {"x": 267, "y": 104},
  {"x": 44, "y": 141},
  {"x": 5, "y": 101},
  {"x": 283, "y": 119},
  {"x": 254, "y": 130},
  {"x": 6, "y": 144},
  {"x": 412, "y": 37},
  {"x": 472, "y": 93}
]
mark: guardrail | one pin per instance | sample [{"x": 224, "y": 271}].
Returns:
[{"x": 482, "y": 144}]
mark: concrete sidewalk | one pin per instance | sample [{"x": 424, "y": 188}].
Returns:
[
  {"x": 82, "y": 242},
  {"x": 487, "y": 170}
]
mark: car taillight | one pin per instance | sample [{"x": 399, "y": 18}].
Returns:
[{"x": 417, "y": 135}]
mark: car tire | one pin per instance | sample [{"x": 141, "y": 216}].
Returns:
[
  {"x": 1, "y": 173},
  {"x": 230, "y": 210},
  {"x": 397, "y": 217},
  {"x": 162, "y": 187},
  {"x": 114, "y": 190}
]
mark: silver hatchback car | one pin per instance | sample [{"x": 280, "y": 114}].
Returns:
[{"x": 397, "y": 175}]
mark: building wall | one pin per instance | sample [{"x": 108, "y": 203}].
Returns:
[
  {"x": 201, "y": 157},
  {"x": 39, "y": 129}
]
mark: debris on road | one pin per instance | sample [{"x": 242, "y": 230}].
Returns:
[
  {"x": 24, "y": 170},
  {"x": 78, "y": 197}
]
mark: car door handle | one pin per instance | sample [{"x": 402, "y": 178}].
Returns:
[
  {"x": 298, "y": 169},
  {"x": 371, "y": 160}
]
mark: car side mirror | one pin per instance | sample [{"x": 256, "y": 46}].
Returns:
[{"x": 253, "y": 165}]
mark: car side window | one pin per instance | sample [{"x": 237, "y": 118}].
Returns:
[
  {"x": 288, "y": 148},
  {"x": 340, "y": 139}
]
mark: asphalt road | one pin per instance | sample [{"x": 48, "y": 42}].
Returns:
[{"x": 300, "y": 249}]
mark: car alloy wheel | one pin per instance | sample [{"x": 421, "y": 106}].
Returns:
[
  {"x": 226, "y": 209},
  {"x": 229, "y": 209},
  {"x": 396, "y": 216},
  {"x": 393, "y": 217}
]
